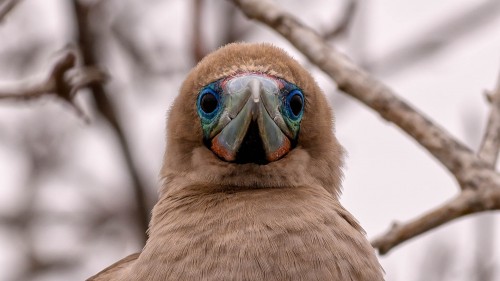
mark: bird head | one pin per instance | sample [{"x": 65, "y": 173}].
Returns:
[{"x": 249, "y": 116}]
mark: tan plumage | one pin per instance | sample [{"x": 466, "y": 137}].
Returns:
[{"x": 218, "y": 220}]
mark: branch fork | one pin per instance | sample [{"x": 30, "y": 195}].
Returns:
[
  {"x": 64, "y": 81},
  {"x": 475, "y": 172}
]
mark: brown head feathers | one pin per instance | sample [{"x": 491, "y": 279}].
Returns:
[{"x": 317, "y": 157}]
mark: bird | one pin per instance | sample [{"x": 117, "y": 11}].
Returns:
[{"x": 251, "y": 180}]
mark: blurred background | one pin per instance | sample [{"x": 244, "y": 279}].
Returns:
[{"x": 76, "y": 196}]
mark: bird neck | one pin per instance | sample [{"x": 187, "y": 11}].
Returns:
[{"x": 199, "y": 202}]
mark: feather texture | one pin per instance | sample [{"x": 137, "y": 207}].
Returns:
[{"x": 217, "y": 220}]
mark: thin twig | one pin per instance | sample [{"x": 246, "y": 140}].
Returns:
[
  {"x": 467, "y": 202},
  {"x": 345, "y": 21},
  {"x": 490, "y": 146},
  {"x": 475, "y": 196},
  {"x": 89, "y": 48},
  {"x": 64, "y": 80},
  {"x": 485, "y": 226}
]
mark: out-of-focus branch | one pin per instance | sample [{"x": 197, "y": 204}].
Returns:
[
  {"x": 64, "y": 81},
  {"x": 479, "y": 182},
  {"x": 89, "y": 49},
  {"x": 141, "y": 59},
  {"x": 436, "y": 38},
  {"x": 345, "y": 21},
  {"x": 197, "y": 41},
  {"x": 436, "y": 267},
  {"x": 7, "y": 7},
  {"x": 23, "y": 220},
  {"x": 490, "y": 145},
  {"x": 231, "y": 30},
  {"x": 485, "y": 248}
]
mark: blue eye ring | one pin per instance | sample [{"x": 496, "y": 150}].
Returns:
[
  {"x": 295, "y": 104},
  {"x": 208, "y": 103}
]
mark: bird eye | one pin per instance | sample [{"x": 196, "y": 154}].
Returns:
[
  {"x": 296, "y": 102},
  {"x": 208, "y": 101}
]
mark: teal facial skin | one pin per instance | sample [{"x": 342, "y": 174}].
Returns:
[{"x": 228, "y": 106}]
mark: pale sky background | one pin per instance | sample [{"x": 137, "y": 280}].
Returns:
[{"x": 388, "y": 176}]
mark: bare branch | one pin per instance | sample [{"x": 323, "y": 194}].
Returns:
[
  {"x": 7, "y": 7},
  {"x": 64, "y": 81},
  {"x": 479, "y": 182},
  {"x": 55, "y": 84},
  {"x": 344, "y": 22},
  {"x": 467, "y": 202},
  {"x": 490, "y": 146},
  {"x": 482, "y": 193},
  {"x": 359, "y": 84}
]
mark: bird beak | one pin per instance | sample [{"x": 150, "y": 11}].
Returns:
[{"x": 252, "y": 119}]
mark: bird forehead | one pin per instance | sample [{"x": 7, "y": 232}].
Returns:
[
  {"x": 231, "y": 70},
  {"x": 237, "y": 82}
]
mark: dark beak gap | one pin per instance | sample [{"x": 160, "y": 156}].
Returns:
[{"x": 251, "y": 149}]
